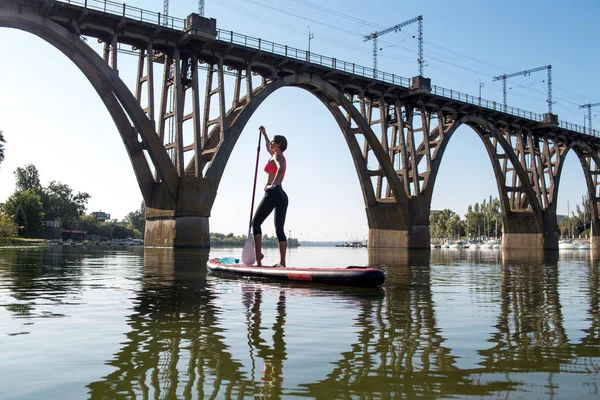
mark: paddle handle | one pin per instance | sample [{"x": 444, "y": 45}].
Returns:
[{"x": 255, "y": 177}]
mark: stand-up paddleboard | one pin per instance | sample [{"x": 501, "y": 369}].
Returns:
[{"x": 353, "y": 275}]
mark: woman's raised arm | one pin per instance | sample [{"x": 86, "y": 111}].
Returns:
[{"x": 267, "y": 140}]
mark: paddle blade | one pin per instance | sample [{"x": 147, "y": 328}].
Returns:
[{"x": 248, "y": 256}]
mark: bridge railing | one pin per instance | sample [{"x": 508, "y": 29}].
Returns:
[
  {"x": 313, "y": 58},
  {"x": 152, "y": 17},
  {"x": 492, "y": 105},
  {"x": 578, "y": 128},
  {"x": 139, "y": 14}
]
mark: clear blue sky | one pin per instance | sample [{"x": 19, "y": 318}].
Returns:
[{"x": 52, "y": 117}]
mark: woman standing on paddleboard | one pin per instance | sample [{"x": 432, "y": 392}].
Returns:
[{"x": 275, "y": 198}]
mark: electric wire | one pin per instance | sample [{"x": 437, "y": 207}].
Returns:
[
  {"x": 314, "y": 18},
  {"x": 334, "y": 41}
]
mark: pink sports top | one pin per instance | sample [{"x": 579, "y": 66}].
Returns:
[{"x": 271, "y": 168}]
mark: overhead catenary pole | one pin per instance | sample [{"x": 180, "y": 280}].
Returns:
[
  {"x": 375, "y": 35},
  {"x": 549, "y": 100},
  {"x": 589, "y": 113},
  {"x": 166, "y": 11},
  {"x": 504, "y": 77},
  {"x": 420, "y": 59}
]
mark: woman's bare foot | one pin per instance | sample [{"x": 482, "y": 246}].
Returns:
[
  {"x": 258, "y": 262},
  {"x": 279, "y": 265}
]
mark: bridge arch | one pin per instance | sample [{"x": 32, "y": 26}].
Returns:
[
  {"x": 343, "y": 112},
  {"x": 590, "y": 163},
  {"x": 119, "y": 101},
  {"x": 486, "y": 132}
]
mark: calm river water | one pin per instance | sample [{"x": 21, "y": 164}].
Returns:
[{"x": 134, "y": 323}]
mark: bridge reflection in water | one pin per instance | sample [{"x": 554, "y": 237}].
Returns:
[{"x": 182, "y": 344}]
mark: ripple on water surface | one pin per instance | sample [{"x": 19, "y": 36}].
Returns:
[{"x": 147, "y": 323}]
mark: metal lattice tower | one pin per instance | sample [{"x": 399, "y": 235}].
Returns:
[
  {"x": 527, "y": 72},
  {"x": 201, "y": 8},
  {"x": 420, "y": 60},
  {"x": 373, "y": 36},
  {"x": 549, "y": 100},
  {"x": 589, "y": 114}
]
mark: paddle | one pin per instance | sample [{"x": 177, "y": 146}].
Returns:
[{"x": 248, "y": 255}]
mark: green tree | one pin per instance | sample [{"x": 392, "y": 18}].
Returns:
[
  {"x": 2, "y": 141},
  {"x": 92, "y": 226},
  {"x": 123, "y": 232},
  {"x": 583, "y": 215},
  {"x": 28, "y": 177},
  {"x": 21, "y": 219},
  {"x": 32, "y": 211},
  {"x": 495, "y": 217},
  {"x": 454, "y": 226},
  {"x": 137, "y": 219},
  {"x": 436, "y": 225},
  {"x": 60, "y": 202},
  {"x": 8, "y": 228},
  {"x": 484, "y": 219},
  {"x": 444, "y": 224},
  {"x": 579, "y": 222}
]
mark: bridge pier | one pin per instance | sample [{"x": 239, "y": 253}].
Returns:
[
  {"x": 181, "y": 224},
  {"x": 177, "y": 232},
  {"x": 595, "y": 243},
  {"x": 394, "y": 226},
  {"x": 525, "y": 230},
  {"x": 595, "y": 236}
]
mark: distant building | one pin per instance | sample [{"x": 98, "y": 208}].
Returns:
[
  {"x": 52, "y": 230},
  {"x": 101, "y": 216},
  {"x": 73, "y": 235},
  {"x": 52, "y": 223}
]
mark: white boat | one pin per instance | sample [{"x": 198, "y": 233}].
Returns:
[
  {"x": 491, "y": 244},
  {"x": 128, "y": 242},
  {"x": 567, "y": 245}
]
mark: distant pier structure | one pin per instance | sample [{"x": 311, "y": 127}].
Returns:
[{"x": 210, "y": 82}]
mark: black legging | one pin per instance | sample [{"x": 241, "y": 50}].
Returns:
[{"x": 274, "y": 199}]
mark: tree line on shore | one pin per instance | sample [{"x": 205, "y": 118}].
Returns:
[
  {"x": 25, "y": 211},
  {"x": 231, "y": 240},
  {"x": 31, "y": 204},
  {"x": 481, "y": 220},
  {"x": 485, "y": 220}
]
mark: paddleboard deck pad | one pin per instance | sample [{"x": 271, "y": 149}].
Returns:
[{"x": 352, "y": 275}]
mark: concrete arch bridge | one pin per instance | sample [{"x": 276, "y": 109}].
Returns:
[{"x": 396, "y": 129}]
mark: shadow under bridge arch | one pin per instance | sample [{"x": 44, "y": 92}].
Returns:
[{"x": 382, "y": 216}]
